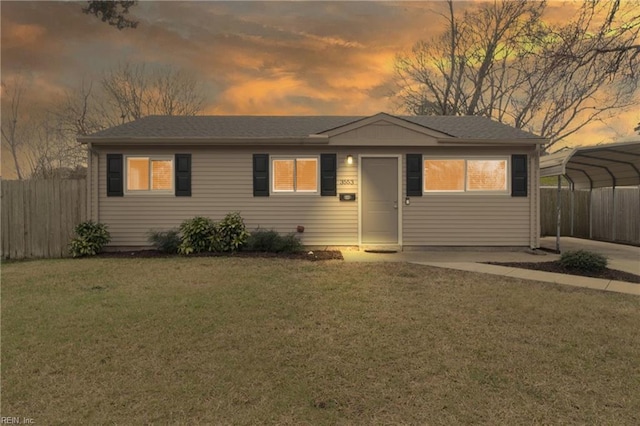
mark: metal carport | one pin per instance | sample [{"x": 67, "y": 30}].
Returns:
[{"x": 589, "y": 167}]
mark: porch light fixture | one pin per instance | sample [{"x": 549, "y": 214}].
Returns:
[{"x": 349, "y": 159}]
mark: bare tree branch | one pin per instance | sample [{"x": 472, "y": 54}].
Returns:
[
  {"x": 502, "y": 61},
  {"x": 12, "y": 127},
  {"x": 135, "y": 91}
]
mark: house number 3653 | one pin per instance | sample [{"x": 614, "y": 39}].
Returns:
[{"x": 347, "y": 182}]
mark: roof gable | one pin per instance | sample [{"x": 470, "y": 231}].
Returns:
[{"x": 386, "y": 119}]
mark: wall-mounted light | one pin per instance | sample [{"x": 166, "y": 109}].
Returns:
[{"x": 349, "y": 159}]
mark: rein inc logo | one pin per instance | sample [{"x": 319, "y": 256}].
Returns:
[{"x": 16, "y": 420}]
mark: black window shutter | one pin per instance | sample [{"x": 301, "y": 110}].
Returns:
[
  {"x": 260, "y": 175},
  {"x": 114, "y": 175},
  {"x": 518, "y": 175},
  {"x": 414, "y": 175},
  {"x": 328, "y": 172},
  {"x": 183, "y": 175}
]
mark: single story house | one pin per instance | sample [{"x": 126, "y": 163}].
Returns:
[{"x": 382, "y": 180}]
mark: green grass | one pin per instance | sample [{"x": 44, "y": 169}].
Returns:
[{"x": 265, "y": 341}]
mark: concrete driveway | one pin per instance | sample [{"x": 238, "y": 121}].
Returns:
[{"x": 621, "y": 257}]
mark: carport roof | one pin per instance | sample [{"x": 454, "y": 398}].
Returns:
[{"x": 598, "y": 166}]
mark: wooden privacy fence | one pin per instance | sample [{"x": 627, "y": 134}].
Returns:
[
  {"x": 617, "y": 221},
  {"x": 38, "y": 216}
]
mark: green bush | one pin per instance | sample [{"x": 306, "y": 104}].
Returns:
[
  {"x": 165, "y": 241},
  {"x": 90, "y": 238},
  {"x": 231, "y": 233},
  {"x": 272, "y": 241},
  {"x": 198, "y": 235},
  {"x": 583, "y": 260}
]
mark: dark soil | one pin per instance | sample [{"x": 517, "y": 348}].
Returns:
[
  {"x": 608, "y": 274},
  {"x": 304, "y": 255}
]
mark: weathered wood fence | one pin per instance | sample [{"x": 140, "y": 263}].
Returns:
[
  {"x": 38, "y": 216},
  {"x": 617, "y": 221}
]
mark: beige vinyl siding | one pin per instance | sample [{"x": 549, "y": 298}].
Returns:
[
  {"x": 383, "y": 134},
  {"x": 468, "y": 219},
  {"x": 222, "y": 182},
  {"x": 92, "y": 187}
]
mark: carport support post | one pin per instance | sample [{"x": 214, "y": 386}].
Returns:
[
  {"x": 559, "y": 215},
  {"x": 614, "y": 213},
  {"x": 572, "y": 215},
  {"x": 591, "y": 213}
]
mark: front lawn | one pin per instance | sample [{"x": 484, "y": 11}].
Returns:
[{"x": 254, "y": 341}]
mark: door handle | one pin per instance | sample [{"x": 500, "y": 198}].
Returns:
[{"x": 395, "y": 205}]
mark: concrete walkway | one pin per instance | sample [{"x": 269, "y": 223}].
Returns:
[{"x": 624, "y": 258}]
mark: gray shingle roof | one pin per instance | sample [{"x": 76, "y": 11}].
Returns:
[
  {"x": 470, "y": 127},
  {"x": 245, "y": 126}
]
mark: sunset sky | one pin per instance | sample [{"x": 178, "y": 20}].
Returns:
[{"x": 262, "y": 58}]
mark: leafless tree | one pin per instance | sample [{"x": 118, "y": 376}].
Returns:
[
  {"x": 51, "y": 151},
  {"x": 81, "y": 112},
  {"x": 134, "y": 91},
  {"x": 176, "y": 92},
  {"x": 14, "y": 122},
  {"x": 38, "y": 141},
  {"x": 502, "y": 61}
]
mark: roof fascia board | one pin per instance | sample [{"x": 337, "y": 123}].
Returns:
[
  {"x": 311, "y": 140},
  {"x": 532, "y": 141},
  {"x": 386, "y": 117}
]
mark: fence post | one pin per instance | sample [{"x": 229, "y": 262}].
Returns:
[
  {"x": 573, "y": 213},
  {"x": 558, "y": 214}
]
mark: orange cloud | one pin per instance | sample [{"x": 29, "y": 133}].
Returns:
[{"x": 21, "y": 35}]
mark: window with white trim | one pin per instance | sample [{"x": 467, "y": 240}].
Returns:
[
  {"x": 149, "y": 174},
  {"x": 295, "y": 174},
  {"x": 466, "y": 175}
]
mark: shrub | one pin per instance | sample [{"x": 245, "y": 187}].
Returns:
[
  {"x": 272, "y": 241},
  {"x": 198, "y": 235},
  {"x": 165, "y": 241},
  {"x": 90, "y": 238},
  {"x": 231, "y": 233},
  {"x": 583, "y": 260}
]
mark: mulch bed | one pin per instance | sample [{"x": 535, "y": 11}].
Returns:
[
  {"x": 312, "y": 256},
  {"x": 608, "y": 274}
]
